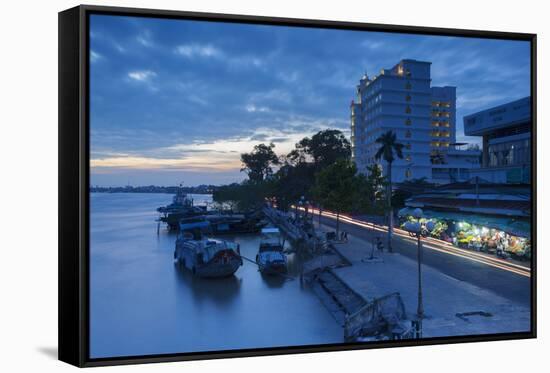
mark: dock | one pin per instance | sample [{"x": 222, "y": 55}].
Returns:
[{"x": 380, "y": 317}]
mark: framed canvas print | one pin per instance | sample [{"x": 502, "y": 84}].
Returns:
[{"x": 234, "y": 186}]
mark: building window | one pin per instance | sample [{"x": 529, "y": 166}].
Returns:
[
  {"x": 408, "y": 85},
  {"x": 408, "y": 98},
  {"x": 408, "y": 134},
  {"x": 408, "y": 110},
  {"x": 408, "y": 158},
  {"x": 408, "y": 146},
  {"x": 408, "y": 122},
  {"x": 408, "y": 173}
]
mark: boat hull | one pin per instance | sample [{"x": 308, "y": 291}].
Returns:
[
  {"x": 218, "y": 270},
  {"x": 223, "y": 264},
  {"x": 273, "y": 269}
]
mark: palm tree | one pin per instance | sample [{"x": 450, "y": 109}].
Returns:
[{"x": 389, "y": 148}]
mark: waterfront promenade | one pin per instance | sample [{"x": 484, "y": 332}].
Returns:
[
  {"x": 505, "y": 278},
  {"x": 444, "y": 296}
]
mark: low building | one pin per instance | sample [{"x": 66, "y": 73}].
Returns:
[{"x": 506, "y": 134}]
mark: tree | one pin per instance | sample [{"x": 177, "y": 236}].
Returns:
[
  {"x": 334, "y": 188},
  {"x": 258, "y": 163},
  {"x": 245, "y": 196},
  {"x": 389, "y": 149},
  {"x": 324, "y": 148},
  {"x": 291, "y": 182},
  {"x": 376, "y": 182}
]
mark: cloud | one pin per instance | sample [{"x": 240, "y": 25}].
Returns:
[
  {"x": 142, "y": 75},
  {"x": 145, "y": 38},
  {"x": 197, "y": 163},
  {"x": 209, "y": 51},
  {"x": 256, "y": 109},
  {"x": 94, "y": 56},
  {"x": 372, "y": 45},
  {"x": 197, "y": 50}
]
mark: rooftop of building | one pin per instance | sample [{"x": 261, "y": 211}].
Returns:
[{"x": 497, "y": 117}]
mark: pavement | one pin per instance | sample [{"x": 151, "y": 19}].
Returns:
[
  {"x": 444, "y": 296},
  {"x": 502, "y": 280}
]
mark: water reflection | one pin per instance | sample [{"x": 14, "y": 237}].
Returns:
[
  {"x": 219, "y": 290},
  {"x": 275, "y": 280},
  {"x": 141, "y": 303}
]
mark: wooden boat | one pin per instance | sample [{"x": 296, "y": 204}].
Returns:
[{"x": 205, "y": 257}]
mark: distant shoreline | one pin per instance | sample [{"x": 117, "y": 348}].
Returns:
[{"x": 201, "y": 189}]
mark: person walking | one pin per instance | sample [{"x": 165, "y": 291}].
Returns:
[{"x": 379, "y": 244}]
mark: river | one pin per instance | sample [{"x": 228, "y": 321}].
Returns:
[{"x": 142, "y": 304}]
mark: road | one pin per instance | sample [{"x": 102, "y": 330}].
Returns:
[{"x": 505, "y": 278}]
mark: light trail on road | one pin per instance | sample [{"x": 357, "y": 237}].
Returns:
[{"x": 436, "y": 245}]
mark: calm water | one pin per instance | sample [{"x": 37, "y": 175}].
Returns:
[{"x": 141, "y": 303}]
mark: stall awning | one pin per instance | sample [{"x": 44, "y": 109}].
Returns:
[{"x": 515, "y": 227}]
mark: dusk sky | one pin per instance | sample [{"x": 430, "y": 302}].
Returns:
[{"x": 178, "y": 101}]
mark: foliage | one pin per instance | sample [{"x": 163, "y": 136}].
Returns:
[
  {"x": 244, "y": 196},
  {"x": 296, "y": 174},
  {"x": 258, "y": 163},
  {"x": 292, "y": 182},
  {"x": 336, "y": 187},
  {"x": 389, "y": 147},
  {"x": 324, "y": 148}
]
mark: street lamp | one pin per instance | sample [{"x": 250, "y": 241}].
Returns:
[{"x": 418, "y": 227}]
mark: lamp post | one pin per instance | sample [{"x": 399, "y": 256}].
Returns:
[{"x": 417, "y": 227}]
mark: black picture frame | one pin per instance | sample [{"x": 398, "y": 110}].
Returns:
[{"x": 74, "y": 183}]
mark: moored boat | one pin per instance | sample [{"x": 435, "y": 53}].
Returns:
[
  {"x": 271, "y": 258},
  {"x": 204, "y": 256},
  {"x": 182, "y": 206}
]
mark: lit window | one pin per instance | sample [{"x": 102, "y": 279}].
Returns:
[
  {"x": 408, "y": 173},
  {"x": 408, "y": 158}
]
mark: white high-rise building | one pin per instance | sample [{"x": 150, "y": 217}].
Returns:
[{"x": 423, "y": 118}]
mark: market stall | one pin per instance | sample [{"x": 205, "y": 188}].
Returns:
[{"x": 503, "y": 236}]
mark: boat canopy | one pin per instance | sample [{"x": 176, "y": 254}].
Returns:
[{"x": 184, "y": 226}]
